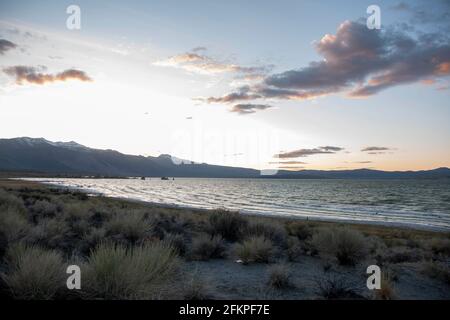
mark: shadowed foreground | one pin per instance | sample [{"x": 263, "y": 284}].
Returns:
[{"x": 129, "y": 250}]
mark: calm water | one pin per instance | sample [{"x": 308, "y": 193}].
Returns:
[{"x": 420, "y": 203}]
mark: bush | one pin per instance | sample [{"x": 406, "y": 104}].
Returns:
[
  {"x": 294, "y": 249},
  {"x": 196, "y": 288},
  {"x": 254, "y": 249},
  {"x": 348, "y": 246},
  {"x": 116, "y": 272},
  {"x": 51, "y": 233},
  {"x": 13, "y": 224},
  {"x": 333, "y": 287},
  {"x": 301, "y": 230},
  {"x": 279, "y": 276},
  {"x": 177, "y": 241},
  {"x": 44, "y": 209},
  {"x": 401, "y": 254},
  {"x": 133, "y": 225},
  {"x": 34, "y": 273},
  {"x": 207, "y": 247},
  {"x": 8, "y": 201},
  {"x": 440, "y": 246},
  {"x": 229, "y": 225},
  {"x": 387, "y": 291},
  {"x": 268, "y": 229},
  {"x": 437, "y": 270}
]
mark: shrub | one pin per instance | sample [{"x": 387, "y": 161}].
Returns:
[
  {"x": 301, "y": 230},
  {"x": 333, "y": 287},
  {"x": 437, "y": 270},
  {"x": 34, "y": 273},
  {"x": 133, "y": 225},
  {"x": 254, "y": 249},
  {"x": 13, "y": 224},
  {"x": 196, "y": 288},
  {"x": 401, "y": 254},
  {"x": 348, "y": 246},
  {"x": 177, "y": 241},
  {"x": 44, "y": 209},
  {"x": 387, "y": 291},
  {"x": 440, "y": 246},
  {"x": 229, "y": 225},
  {"x": 294, "y": 249},
  {"x": 207, "y": 247},
  {"x": 279, "y": 276},
  {"x": 269, "y": 229},
  {"x": 8, "y": 201},
  {"x": 140, "y": 272},
  {"x": 51, "y": 233}
]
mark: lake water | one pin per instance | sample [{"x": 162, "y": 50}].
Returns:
[{"x": 417, "y": 203}]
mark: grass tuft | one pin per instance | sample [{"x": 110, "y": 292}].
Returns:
[
  {"x": 348, "y": 246},
  {"x": 34, "y": 273},
  {"x": 116, "y": 272},
  {"x": 255, "y": 249}
]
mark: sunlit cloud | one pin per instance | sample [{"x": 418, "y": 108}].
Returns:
[
  {"x": 357, "y": 61},
  {"x": 308, "y": 152},
  {"x": 35, "y": 75},
  {"x": 197, "y": 62}
]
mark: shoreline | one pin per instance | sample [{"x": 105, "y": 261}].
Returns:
[{"x": 287, "y": 218}]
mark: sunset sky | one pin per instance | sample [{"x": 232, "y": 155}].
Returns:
[{"x": 262, "y": 84}]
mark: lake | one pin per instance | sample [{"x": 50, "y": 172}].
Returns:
[{"x": 416, "y": 203}]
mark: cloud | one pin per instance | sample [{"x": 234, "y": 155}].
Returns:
[
  {"x": 249, "y": 108},
  {"x": 363, "y": 162},
  {"x": 197, "y": 62},
  {"x": 331, "y": 148},
  {"x": 359, "y": 62},
  {"x": 6, "y": 45},
  {"x": 371, "y": 149},
  {"x": 308, "y": 152},
  {"x": 35, "y": 75},
  {"x": 287, "y": 162}
]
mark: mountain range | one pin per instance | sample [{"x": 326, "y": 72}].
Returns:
[{"x": 42, "y": 157}]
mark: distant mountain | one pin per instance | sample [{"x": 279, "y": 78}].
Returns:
[{"x": 40, "y": 156}]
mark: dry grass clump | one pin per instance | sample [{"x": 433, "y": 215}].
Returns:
[
  {"x": 279, "y": 276},
  {"x": 387, "y": 290},
  {"x": 34, "y": 273},
  {"x": 53, "y": 234},
  {"x": 196, "y": 288},
  {"x": 13, "y": 218},
  {"x": 347, "y": 245},
  {"x": 440, "y": 246},
  {"x": 177, "y": 242},
  {"x": 205, "y": 247},
  {"x": 437, "y": 270},
  {"x": 13, "y": 224},
  {"x": 140, "y": 272},
  {"x": 301, "y": 230},
  {"x": 400, "y": 255},
  {"x": 272, "y": 230},
  {"x": 229, "y": 225},
  {"x": 255, "y": 249},
  {"x": 333, "y": 287},
  {"x": 133, "y": 225},
  {"x": 294, "y": 249}
]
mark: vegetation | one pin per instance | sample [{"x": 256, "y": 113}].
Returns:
[
  {"x": 348, "y": 246},
  {"x": 130, "y": 250},
  {"x": 254, "y": 249}
]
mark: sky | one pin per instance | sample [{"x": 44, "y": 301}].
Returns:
[{"x": 264, "y": 84}]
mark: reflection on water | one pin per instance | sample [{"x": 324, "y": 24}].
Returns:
[{"x": 414, "y": 202}]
